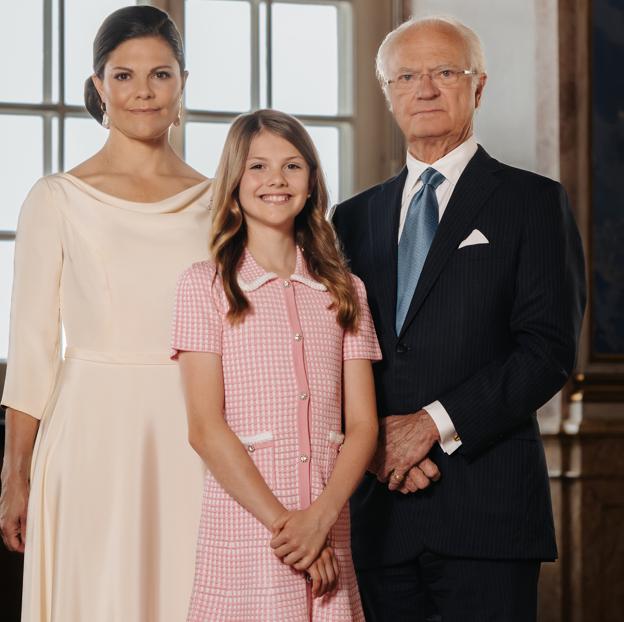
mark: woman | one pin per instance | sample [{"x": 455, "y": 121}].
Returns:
[
  {"x": 275, "y": 342},
  {"x": 113, "y": 504}
]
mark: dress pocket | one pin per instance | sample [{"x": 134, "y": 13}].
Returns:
[
  {"x": 335, "y": 441},
  {"x": 261, "y": 449}
]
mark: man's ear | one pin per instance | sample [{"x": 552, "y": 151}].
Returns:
[{"x": 479, "y": 89}]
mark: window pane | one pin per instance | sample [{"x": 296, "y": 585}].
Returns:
[
  {"x": 218, "y": 48},
  {"x": 327, "y": 141},
  {"x": 204, "y": 142},
  {"x": 21, "y": 163},
  {"x": 21, "y": 47},
  {"x": 6, "y": 283},
  {"x": 305, "y": 58},
  {"x": 82, "y": 20},
  {"x": 83, "y": 137}
]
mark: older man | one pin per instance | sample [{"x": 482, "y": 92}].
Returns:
[{"x": 475, "y": 278}]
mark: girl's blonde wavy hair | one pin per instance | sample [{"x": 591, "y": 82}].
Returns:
[{"x": 313, "y": 234}]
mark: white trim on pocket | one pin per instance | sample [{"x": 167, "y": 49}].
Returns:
[
  {"x": 336, "y": 437},
  {"x": 263, "y": 437}
]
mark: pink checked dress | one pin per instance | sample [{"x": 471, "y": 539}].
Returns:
[{"x": 282, "y": 370}]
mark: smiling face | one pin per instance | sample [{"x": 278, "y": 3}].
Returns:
[
  {"x": 141, "y": 87},
  {"x": 275, "y": 183},
  {"x": 427, "y": 113}
]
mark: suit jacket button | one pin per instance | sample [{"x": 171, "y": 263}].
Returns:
[{"x": 401, "y": 348}]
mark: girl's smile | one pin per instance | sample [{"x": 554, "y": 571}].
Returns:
[{"x": 276, "y": 198}]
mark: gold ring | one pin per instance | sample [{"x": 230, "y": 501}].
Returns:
[{"x": 398, "y": 477}]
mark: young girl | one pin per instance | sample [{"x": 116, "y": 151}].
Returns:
[{"x": 274, "y": 340}]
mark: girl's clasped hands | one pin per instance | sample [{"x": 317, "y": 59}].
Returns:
[{"x": 300, "y": 540}]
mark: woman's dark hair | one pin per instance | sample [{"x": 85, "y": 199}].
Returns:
[{"x": 131, "y": 22}]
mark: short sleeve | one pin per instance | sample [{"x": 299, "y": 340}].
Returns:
[
  {"x": 197, "y": 320},
  {"x": 35, "y": 324},
  {"x": 362, "y": 344}
]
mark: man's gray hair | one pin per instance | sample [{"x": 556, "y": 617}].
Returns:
[{"x": 473, "y": 43}]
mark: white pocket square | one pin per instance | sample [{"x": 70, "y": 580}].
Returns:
[{"x": 476, "y": 237}]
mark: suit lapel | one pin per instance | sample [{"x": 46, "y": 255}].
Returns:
[
  {"x": 384, "y": 213},
  {"x": 474, "y": 187}
]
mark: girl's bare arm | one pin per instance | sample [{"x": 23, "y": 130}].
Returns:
[{"x": 210, "y": 436}]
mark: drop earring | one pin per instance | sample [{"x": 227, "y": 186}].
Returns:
[
  {"x": 105, "y": 117},
  {"x": 178, "y": 119}
]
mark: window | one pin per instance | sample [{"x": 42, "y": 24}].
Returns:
[
  {"x": 270, "y": 60},
  {"x": 294, "y": 55}
]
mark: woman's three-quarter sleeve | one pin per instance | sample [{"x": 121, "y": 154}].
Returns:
[
  {"x": 35, "y": 325},
  {"x": 197, "y": 323},
  {"x": 362, "y": 344}
]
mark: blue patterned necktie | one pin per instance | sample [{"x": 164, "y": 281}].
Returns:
[{"x": 420, "y": 226}]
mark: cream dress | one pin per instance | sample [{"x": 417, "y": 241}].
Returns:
[{"x": 116, "y": 489}]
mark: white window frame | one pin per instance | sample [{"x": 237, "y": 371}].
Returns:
[{"x": 344, "y": 120}]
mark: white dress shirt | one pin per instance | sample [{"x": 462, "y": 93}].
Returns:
[{"x": 452, "y": 165}]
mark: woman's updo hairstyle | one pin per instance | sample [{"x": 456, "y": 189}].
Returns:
[{"x": 131, "y": 22}]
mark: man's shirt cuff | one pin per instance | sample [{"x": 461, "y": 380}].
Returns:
[{"x": 449, "y": 439}]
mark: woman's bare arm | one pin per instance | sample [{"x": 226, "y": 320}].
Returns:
[{"x": 20, "y": 433}]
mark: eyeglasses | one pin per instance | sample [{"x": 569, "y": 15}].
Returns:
[{"x": 442, "y": 77}]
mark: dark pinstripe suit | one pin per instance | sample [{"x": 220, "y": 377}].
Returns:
[{"x": 491, "y": 333}]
